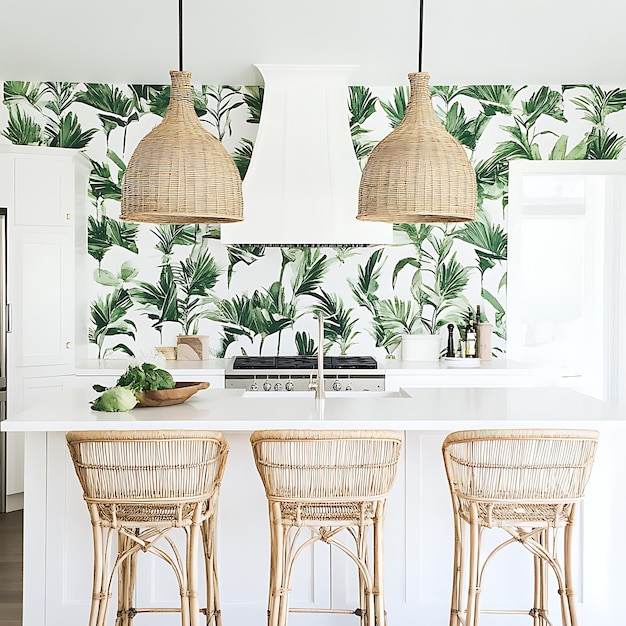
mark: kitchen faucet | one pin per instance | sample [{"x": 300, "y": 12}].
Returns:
[{"x": 319, "y": 384}]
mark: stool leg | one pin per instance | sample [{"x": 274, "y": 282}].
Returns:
[
  {"x": 379, "y": 586},
  {"x": 98, "y": 601},
  {"x": 367, "y": 581},
  {"x": 277, "y": 565},
  {"x": 126, "y": 582},
  {"x": 457, "y": 571},
  {"x": 474, "y": 552},
  {"x": 193, "y": 546},
  {"x": 213, "y": 614},
  {"x": 360, "y": 540},
  {"x": 184, "y": 573},
  {"x": 540, "y": 600},
  {"x": 362, "y": 601},
  {"x": 284, "y": 574},
  {"x": 568, "y": 601}
]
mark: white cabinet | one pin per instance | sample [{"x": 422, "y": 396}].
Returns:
[
  {"x": 567, "y": 245},
  {"x": 41, "y": 297},
  {"x": 45, "y": 192}
]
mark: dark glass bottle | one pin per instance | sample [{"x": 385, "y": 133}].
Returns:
[{"x": 450, "y": 348}]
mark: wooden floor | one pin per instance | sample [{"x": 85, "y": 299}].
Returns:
[{"x": 11, "y": 569}]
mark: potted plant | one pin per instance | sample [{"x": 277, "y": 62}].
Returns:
[
  {"x": 182, "y": 291},
  {"x": 437, "y": 287}
]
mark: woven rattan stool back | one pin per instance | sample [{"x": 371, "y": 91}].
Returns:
[
  {"x": 142, "y": 485},
  {"x": 528, "y": 483},
  {"x": 328, "y": 481},
  {"x": 326, "y": 465}
]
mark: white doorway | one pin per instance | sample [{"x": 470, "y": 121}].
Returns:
[{"x": 565, "y": 293}]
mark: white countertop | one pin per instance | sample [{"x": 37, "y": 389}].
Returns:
[
  {"x": 424, "y": 409},
  {"x": 391, "y": 367},
  {"x": 111, "y": 367}
]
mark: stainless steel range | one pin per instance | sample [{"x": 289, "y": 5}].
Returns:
[{"x": 299, "y": 373}]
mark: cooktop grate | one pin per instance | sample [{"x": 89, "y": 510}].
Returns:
[{"x": 303, "y": 362}]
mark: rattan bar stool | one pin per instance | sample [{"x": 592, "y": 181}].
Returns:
[
  {"x": 328, "y": 481},
  {"x": 140, "y": 486},
  {"x": 528, "y": 483}
]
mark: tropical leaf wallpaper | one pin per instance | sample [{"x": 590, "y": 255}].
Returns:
[{"x": 153, "y": 282}]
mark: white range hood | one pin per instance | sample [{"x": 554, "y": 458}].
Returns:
[{"x": 302, "y": 184}]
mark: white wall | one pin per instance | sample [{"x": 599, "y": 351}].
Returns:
[{"x": 480, "y": 42}]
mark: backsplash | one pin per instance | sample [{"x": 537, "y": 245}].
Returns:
[{"x": 151, "y": 283}]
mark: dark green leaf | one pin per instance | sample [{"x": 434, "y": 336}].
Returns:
[
  {"x": 305, "y": 345},
  {"x": 254, "y": 101},
  {"x": 243, "y": 155},
  {"x": 604, "y": 144},
  {"x": 15, "y": 90},
  {"x": 170, "y": 235},
  {"x": 545, "y": 101},
  {"x": 21, "y": 129},
  {"x": 68, "y": 133},
  {"x": 395, "y": 110},
  {"x": 123, "y": 234},
  {"x": 493, "y": 98}
]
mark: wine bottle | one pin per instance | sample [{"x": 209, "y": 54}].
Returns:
[
  {"x": 478, "y": 321},
  {"x": 470, "y": 337}
]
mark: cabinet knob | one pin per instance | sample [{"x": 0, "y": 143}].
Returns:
[
  {"x": 68, "y": 345},
  {"x": 68, "y": 216}
]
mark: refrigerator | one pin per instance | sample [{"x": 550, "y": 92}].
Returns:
[{"x": 3, "y": 357}]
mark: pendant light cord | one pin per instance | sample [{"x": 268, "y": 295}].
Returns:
[
  {"x": 421, "y": 36},
  {"x": 180, "y": 35}
]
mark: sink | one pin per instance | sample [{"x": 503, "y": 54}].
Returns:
[
  {"x": 329, "y": 394},
  {"x": 278, "y": 394},
  {"x": 367, "y": 394}
]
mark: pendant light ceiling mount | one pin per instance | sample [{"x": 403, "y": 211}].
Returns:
[
  {"x": 180, "y": 173},
  {"x": 419, "y": 173}
]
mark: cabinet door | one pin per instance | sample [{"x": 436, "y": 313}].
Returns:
[
  {"x": 42, "y": 307},
  {"x": 44, "y": 190}
]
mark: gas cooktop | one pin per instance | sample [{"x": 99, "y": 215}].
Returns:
[{"x": 303, "y": 362}]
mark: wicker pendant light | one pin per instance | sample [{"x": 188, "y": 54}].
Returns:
[
  {"x": 180, "y": 173},
  {"x": 418, "y": 173}
]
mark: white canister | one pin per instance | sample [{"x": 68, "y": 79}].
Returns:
[{"x": 421, "y": 347}]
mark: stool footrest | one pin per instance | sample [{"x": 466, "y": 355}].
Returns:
[{"x": 338, "y": 611}]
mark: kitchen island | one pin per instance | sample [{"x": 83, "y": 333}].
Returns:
[{"x": 418, "y": 534}]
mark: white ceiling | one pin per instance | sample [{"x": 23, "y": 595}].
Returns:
[{"x": 485, "y": 41}]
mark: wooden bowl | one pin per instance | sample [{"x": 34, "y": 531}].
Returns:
[{"x": 167, "y": 397}]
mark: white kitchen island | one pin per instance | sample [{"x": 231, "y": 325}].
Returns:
[{"x": 418, "y": 552}]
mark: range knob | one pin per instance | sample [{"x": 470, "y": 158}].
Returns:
[
  {"x": 336, "y": 385},
  {"x": 289, "y": 385},
  {"x": 267, "y": 385},
  {"x": 254, "y": 386},
  {"x": 348, "y": 387},
  {"x": 278, "y": 387}
]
